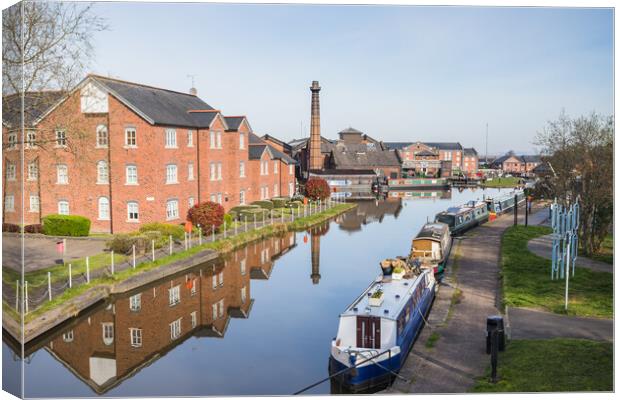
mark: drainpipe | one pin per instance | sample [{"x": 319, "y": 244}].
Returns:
[
  {"x": 108, "y": 128},
  {"x": 198, "y": 162}
]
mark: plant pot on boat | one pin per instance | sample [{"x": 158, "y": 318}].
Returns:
[
  {"x": 376, "y": 299},
  {"x": 398, "y": 273}
]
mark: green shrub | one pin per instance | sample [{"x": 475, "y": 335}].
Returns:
[
  {"x": 122, "y": 243},
  {"x": 266, "y": 204},
  {"x": 238, "y": 209},
  {"x": 250, "y": 213},
  {"x": 66, "y": 225},
  {"x": 166, "y": 230},
  {"x": 279, "y": 202},
  {"x": 233, "y": 214},
  {"x": 228, "y": 219},
  {"x": 294, "y": 204}
]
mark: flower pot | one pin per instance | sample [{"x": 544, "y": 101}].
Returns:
[
  {"x": 398, "y": 275},
  {"x": 376, "y": 301}
]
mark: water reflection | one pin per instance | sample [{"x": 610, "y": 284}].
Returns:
[{"x": 142, "y": 326}]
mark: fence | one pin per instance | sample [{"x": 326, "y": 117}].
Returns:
[{"x": 35, "y": 296}]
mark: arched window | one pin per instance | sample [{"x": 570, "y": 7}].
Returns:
[
  {"x": 104, "y": 208},
  {"x": 102, "y": 172},
  {"x": 102, "y": 136}
]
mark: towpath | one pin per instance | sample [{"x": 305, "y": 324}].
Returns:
[{"x": 457, "y": 322}]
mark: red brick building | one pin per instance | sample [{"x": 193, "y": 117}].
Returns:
[
  {"x": 123, "y": 154},
  {"x": 515, "y": 164}
]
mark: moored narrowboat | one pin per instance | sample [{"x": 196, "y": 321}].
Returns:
[
  {"x": 464, "y": 217},
  {"x": 377, "y": 330},
  {"x": 431, "y": 247},
  {"x": 504, "y": 203}
]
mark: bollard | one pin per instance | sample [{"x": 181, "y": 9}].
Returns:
[
  {"x": 516, "y": 210},
  {"x": 112, "y": 261},
  {"x": 170, "y": 244},
  {"x": 153, "y": 249},
  {"x": 17, "y": 295},
  {"x": 26, "y": 297},
  {"x": 133, "y": 254},
  {"x": 87, "y": 269},
  {"x": 212, "y": 233},
  {"x": 70, "y": 278}
]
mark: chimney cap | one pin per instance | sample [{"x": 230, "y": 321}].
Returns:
[{"x": 315, "y": 86}]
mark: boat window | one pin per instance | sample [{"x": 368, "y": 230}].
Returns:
[{"x": 446, "y": 219}]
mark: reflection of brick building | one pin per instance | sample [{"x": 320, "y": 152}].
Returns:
[
  {"x": 144, "y": 324},
  {"x": 123, "y": 154},
  {"x": 367, "y": 212}
]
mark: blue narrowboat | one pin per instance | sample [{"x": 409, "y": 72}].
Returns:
[
  {"x": 464, "y": 217},
  {"x": 376, "y": 332},
  {"x": 504, "y": 203}
]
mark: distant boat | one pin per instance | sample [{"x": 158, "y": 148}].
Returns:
[
  {"x": 505, "y": 202},
  {"x": 418, "y": 183},
  {"x": 377, "y": 330},
  {"x": 464, "y": 217},
  {"x": 431, "y": 247}
]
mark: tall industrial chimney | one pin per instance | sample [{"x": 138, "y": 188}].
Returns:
[{"x": 316, "y": 159}]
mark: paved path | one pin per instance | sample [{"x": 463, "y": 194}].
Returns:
[
  {"x": 40, "y": 252},
  {"x": 541, "y": 246},
  {"x": 459, "y": 356},
  {"x": 535, "y": 324}
]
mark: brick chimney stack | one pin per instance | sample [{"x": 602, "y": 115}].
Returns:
[{"x": 316, "y": 159}]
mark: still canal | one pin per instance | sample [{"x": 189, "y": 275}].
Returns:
[{"x": 258, "y": 323}]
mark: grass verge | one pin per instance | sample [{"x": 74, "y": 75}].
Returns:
[
  {"x": 503, "y": 182},
  {"x": 552, "y": 365},
  {"x": 527, "y": 283}
]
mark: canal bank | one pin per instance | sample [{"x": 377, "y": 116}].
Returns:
[
  {"x": 72, "y": 301},
  {"x": 450, "y": 352}
]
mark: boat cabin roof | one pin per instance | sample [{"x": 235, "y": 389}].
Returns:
[
  {"x": 463, "y": 208},
  {"x": 505, "y": 196},
  {"x": 434, "y": 231},
  {"x": 396, "y": 293}
]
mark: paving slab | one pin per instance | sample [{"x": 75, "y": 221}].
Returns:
[
  {"x": 40, "y": 252},
  {"x": 541, "y": 246},
  {"x": 535, "y": 324}
]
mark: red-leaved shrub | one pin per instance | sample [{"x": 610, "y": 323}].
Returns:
[
  {"x": 206, "y": 215},
  {"x": 317, "y": 188},
  {"x": 8, "y": 227},
  {"x": 34, "y": 228}
]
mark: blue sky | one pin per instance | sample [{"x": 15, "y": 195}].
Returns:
[{"x": 397, "y": 73}]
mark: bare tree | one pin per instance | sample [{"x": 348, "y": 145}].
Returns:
[
  {"x": 46, "y": 45},
  {"x": 46, "y": 49},
  {"x": 580, "y": 153}
]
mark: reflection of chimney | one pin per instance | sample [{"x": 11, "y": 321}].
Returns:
[
  {"x": 316, "y": 161},
  {"x": 315, "y": 253}
]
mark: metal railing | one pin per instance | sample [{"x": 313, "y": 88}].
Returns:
[{"x": 26, "y": 299}]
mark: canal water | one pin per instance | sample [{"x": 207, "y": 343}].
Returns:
[{"x": 258, "y": 323}]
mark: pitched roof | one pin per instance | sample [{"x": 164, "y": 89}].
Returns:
[
  {"x": 397, "y": 145},
  {"x": 35, "y": 105},
  {"x": 531, "y": 159},
  {"x": 255, "y": 152},
  {"x": 470, "y": 151},
  {"x": 445, "y": 145},
  {"x": 234, "y": 122},
  {"x": 362, "y": 156},
  {"x": 280, "y": 142},
  {"x": 162, "y": 106},
  {"x": 254, "y": 139},
  {"x": 351, "y": 130},
  {"x": 258, "y": 146}
]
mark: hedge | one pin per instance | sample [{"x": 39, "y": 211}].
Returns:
[
  {"x": 34, "y": 228},
  {"x": 238, "y": 209},
  {"x": 66, "y": 225},
  {"x": 166, "y": 230},
  {"x": 279, "y": 202},
  {"x": 266, "y": 204},
  {"x": 251, "y": 212},
  {"x": 8, "y": 227}
]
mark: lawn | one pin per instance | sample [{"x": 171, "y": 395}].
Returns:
[
  {"x": 552, "y": 365},
  {"x": 527, "y": 283},
  {"x": 503, "y": 182},
  {"x": 606, "y": 252}
]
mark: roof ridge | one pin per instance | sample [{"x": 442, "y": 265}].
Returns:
[
  {"x": 205, "y": 111},
  {"x": 138, "y": 84}
]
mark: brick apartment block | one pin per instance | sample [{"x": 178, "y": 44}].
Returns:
[{"x": 123, "y": 154}]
